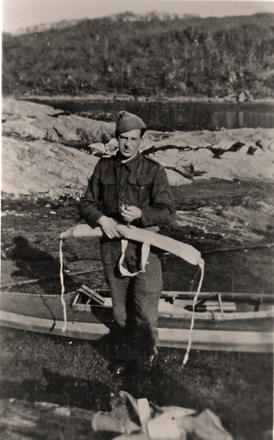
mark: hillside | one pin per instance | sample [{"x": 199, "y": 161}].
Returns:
[{"x": 144, "y": 55}]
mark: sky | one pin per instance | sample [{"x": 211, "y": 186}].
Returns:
[{"x": 19, "y": 14}]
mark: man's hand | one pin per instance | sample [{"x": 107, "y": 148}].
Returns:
[
  {"x": 109, "y": 227},
  {"x": 130, "y": 213}
]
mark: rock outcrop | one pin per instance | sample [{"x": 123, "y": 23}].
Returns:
[
  {"x": 35, "y": 167},
  {"x": 31, "y": 121},
  {"x": 226, "y": 154},
  {"x": 45, "y": 148}
]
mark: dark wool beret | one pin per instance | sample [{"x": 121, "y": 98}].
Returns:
[{"x": 128, "y": 121}]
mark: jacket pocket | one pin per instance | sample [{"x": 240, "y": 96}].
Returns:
[
  {"x": 140, "y": 188},
  {"x": 140, "y": 180}
]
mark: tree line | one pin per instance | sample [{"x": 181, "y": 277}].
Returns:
[{"x": 148, "y": 55}]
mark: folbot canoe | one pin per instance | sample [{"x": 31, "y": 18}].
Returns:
[
  {"x": 227, "y": 321},
  {"x": 223, "y": 321}
]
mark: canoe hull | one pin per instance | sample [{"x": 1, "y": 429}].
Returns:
[{"x": 44, "y": 314}]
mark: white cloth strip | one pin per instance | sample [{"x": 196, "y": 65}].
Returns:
[
  {"x": 63, "y": 302},
  {"x": 144, "y": 258}
]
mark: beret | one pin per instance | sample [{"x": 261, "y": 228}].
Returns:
[{"x": 128, "y": 121}]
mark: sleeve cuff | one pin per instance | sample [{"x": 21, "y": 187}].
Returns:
[{"x": 93, "y": 219}]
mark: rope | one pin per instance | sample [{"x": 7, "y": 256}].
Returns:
[
  {"x": 63, "y": 302},
  {"x": 186, "y": 356}
]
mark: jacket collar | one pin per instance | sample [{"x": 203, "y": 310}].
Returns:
[{"x": 131, "y": 164}]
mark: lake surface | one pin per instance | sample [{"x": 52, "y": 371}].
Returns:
[{"x": 166, "y": 115}]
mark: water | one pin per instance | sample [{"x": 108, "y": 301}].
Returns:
[{"x": 165, "y": 115}]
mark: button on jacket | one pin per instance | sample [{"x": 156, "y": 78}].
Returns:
[{"x": 140, "y": 182}]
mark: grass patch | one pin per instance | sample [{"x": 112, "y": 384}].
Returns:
[{"x": 236, "y": 386}]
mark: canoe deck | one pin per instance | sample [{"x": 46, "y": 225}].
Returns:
[{"x": 250, "y": 331}]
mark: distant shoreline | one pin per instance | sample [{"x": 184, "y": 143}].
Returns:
[{"x": 122, "y": 97}]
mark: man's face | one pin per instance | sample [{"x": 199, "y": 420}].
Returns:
[{"x": 129, "y": 143}]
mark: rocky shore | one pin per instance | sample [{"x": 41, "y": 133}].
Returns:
[
  {"x": 46, "y": 148},
  {"x": 124, "y": 97}
]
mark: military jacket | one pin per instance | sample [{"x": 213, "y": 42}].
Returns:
[{"x": 140, "y": 182}]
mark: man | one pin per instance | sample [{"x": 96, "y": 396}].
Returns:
[{"x": 130, "y": 188}]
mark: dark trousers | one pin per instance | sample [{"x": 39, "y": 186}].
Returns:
[{"x": 135, "y": 299}]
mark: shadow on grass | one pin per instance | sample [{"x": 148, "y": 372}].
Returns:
[
  {"x": 82, "y": 393},
  {"x": 34, "y": 263},
  {"x": 61, "y": 389}
]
